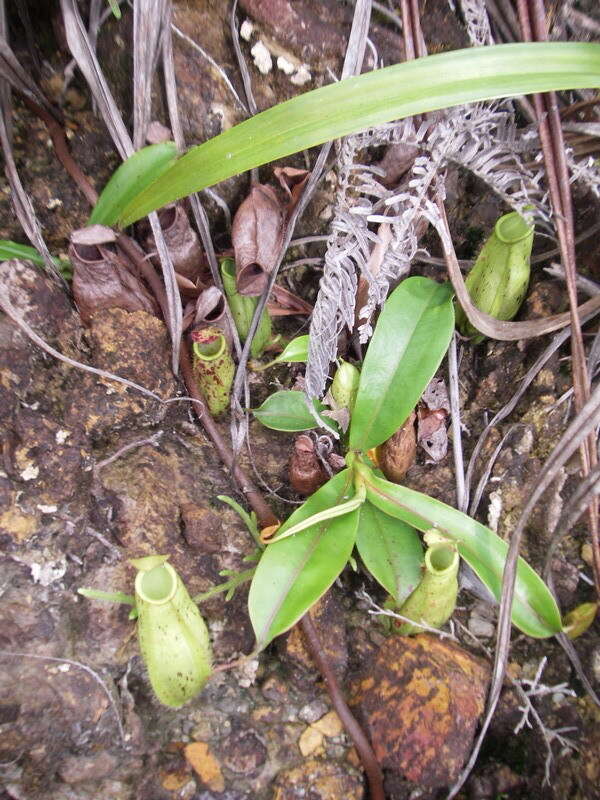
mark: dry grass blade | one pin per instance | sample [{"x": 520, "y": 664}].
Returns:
[
  {"x": 20, "y": 199},
  {"x": 569, "y": 648},
  {"x": 82, "y": 51},
  {"x": 148, "y": 22},
  {"x": 13, "y": 73},
  {"x": 488, "y": 469},
  {"x": 532, "y": 19},
  {"x": 243, "y": 67},
  {"x": 462, "y": 499},
  {"x": 584, "y": 423}
]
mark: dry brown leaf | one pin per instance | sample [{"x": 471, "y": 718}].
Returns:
[
  {"x": 101, "y": 280},
  {"x": 292, "y": 180},
  {"x": 182, "y": 242},
  {"x": 257, "y": 234}
]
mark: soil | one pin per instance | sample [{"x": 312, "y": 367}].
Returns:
[{"x": 78, "y": 719}]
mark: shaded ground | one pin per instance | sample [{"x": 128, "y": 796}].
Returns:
[{"x": 265, "y": 729}]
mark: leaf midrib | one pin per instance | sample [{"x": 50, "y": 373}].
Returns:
[{"x": 382, "y": 396}]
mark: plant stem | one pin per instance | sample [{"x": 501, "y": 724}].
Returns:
[{"x": 356, "y": 733}]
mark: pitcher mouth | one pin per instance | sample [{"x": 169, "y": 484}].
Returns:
[
  {"x": 512, "y": 228},
  {"x": 158, "y": 585},
  {"x": 440, "y": 559}
]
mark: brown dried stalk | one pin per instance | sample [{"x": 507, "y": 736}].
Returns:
[{"x": 532, "y": 20}]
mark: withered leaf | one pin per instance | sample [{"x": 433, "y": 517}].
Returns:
[
  {"x": 292, "y": 180},
  {"x": 182, "y": 242},
  {"x": 257, "y": 234},
  {"x": 287, "y": 302},
  {"x": 208, "y": 311},
  {"x": 102, "y": 280}
]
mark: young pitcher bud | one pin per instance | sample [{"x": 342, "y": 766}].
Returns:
[
  {"x": 434, "y": 600},
  {"x": 306, "y": 472},
  {"x": 345, "y": 385},
  {"x": 242, "y": 310},
  {"x": 173, "y": 636},
  {"x": 213, "y": 368},
  {"x": 397, "y": 455},
  {"x": 498, "y": 281}
]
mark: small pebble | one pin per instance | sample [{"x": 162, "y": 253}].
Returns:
[
  {"x": 262, "y": 58},
  {"x": 285, "y": 66},
  {"x": 246, "y": 30},
  {"x": 301, "y": 76},
  {"x": 480, "y": 623},
  {"x": 310, "y": 741},
  {"x": 311, "y": 712}
]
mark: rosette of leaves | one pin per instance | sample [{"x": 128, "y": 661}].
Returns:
[{"x": 359, "y": 508}]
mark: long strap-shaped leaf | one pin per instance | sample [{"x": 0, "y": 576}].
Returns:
[
  {"x": 534, "y": 609},
  {"x": 414, "y": 87}
]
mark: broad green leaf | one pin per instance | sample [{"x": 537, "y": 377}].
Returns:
[
  {"x": 10, "y": 249},
  {"x": 132, "y": 177},
  {"x": 534, "y": 609},
  {"x": 295, "y": 351},
  {"x": 391, "y": 550},
  {"x": 413, "y": 87},
  {"x": 295, "y": 572},
  {"x": 287, "y": 411},
  {"x": 410, "y": 339}
]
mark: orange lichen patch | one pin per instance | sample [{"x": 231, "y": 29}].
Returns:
[
  {"x": 329, "y": 725},
  {"x": 174, "y": 781},
  {"x": 18, "y": 524},
  {"x": 311, "y": 741},
  {"x": 421, "y": 704},
  {"x": 205, "y": 765},
  {"x": 268, "y": 532}
]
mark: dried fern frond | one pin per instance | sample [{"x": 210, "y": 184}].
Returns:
[
  {"x": 477, "y": 22},
  {"x": 481, "y": 138},
  {"x": 587, "y": 171}
]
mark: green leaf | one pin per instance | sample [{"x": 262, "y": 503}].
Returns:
[
  {"x": 410, "y": 339},
  {"x": 295, "y": 572},
  {"x": 413, "y": 87},
  {"x": 391, "y": 550},
  {"x": 534, "y": 609},
  {"x": 114, "y": 7},
  {"x": 10, "y": 249},
  {"x": 287, "y": 411},
  {"x": 132, "y": 177},
  {"x": 295, "y": 351}
]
